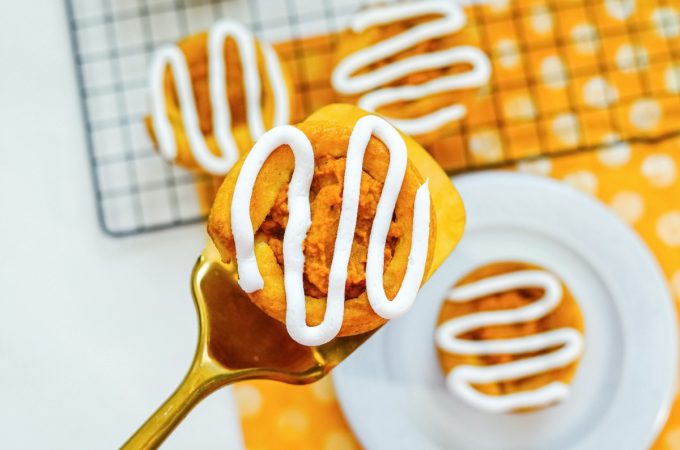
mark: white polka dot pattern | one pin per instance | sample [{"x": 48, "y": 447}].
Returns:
[
  {"x": 582, "y": 180},
  {"x": 668, "y": 228},
  {"x": 553, "y": 72},
  {"x": 620, "y": 9},
  {"x": 666, "y": 22},
  {"x": 507, "y": 53},
  {"x": 292, "y": 422},
  {"x": 672, "y": 79},
  {"x": 541, "y": 166},
  {"x": 614, "y": 152},
  {"x": 585, "y": 38},
  {"x": 520, "y": 107},
  {"x": 541, "y": 19},
  {"x": 645, "y": 114},
  {"x": 598, "y": 93},
  {"x": 485, "y": 146},
  {"x": 659, "y": 169},
  {"x": 248, "y": 399},
  {"x": 566, "y": 129},
  {"x": 628, "y": 205},
  {"x": 631, "y": 58}
]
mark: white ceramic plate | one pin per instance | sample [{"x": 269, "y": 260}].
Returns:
[{"x": 392, "y": 389}]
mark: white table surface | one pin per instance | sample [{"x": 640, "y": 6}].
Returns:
[{"x": 95, "y": 332}]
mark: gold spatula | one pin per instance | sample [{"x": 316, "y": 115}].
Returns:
[{"x": 236, "y": 342}]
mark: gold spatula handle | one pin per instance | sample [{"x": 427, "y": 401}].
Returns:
[{"x": 202, "y": 379}]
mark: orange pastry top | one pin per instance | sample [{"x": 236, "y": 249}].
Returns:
[
  {"x": 328, "y": 132},
  {"x": 223, "y": 76},
  {"x": 524, "y": 356},
  {"x": 413, "y": 63}
]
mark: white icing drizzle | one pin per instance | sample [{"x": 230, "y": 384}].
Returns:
[
  {"x": 172, "y": 56},
  {"x": 299, "y": 221},
  {"x": 369, "y": 83},
  {"x": 461, "y": 378}
]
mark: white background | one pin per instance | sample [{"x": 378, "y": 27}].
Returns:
[{"x": 94, "y": 332}]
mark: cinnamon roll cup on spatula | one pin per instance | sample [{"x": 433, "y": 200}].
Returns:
[{"x": 335, "y": 223}]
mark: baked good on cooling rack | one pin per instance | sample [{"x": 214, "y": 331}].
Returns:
[
  {"x": 509, "y": 338},
  {"x": 348, "y": 223},
  {"x": 409, "y": 62},
  {"x": 213, "y": 94}
]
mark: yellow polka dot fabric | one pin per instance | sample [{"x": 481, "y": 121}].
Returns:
[
  {"x": 277, "y": 416},
  {"x": 568, "y": 75},
  {"x": 611, "y": 81}
]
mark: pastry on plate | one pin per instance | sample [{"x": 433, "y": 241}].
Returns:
[
  {"x": 335, "y": 222},
  {"x": 213, "y": 94},
  {"x": 410, "y": 63},
  {"x": 509, "y": 338}
]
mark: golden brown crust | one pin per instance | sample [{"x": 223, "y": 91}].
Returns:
[
  {"x": 567, "y": 314},
  {"x": 329, "y": 138},
  {"x": 194, "y": 48},
  {"x": 350, "y": 42}
]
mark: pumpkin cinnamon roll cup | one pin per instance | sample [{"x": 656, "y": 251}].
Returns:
[
  {"x": 213, "y": 94},
  {"x": 334, "y": 223},
  {"x": 413, "y": 63},
  {"x": 509, "y": 337}
]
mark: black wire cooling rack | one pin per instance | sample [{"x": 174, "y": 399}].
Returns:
[{"x": 137, "y": 192}]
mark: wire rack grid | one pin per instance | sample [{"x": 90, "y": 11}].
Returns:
[{"x": 137, "y": 192}]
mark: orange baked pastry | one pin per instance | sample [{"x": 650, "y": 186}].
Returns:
[
  {"x": 509, "y": 338},
  {"x": 410, "y": 62},
  {"x": 213, "y": 95},
  {"x": 335, "y": 222}
]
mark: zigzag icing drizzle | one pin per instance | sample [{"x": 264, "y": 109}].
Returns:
[
  {"x": 171, "y": 55},
  {"x": 460, "y": 379},
  {"x": 452, "y": 20},
  {"x": 299, "y": 221}
]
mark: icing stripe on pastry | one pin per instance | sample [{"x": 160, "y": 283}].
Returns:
[
  {"x": 369, "y": 83},
  {"x": 172, "y": 56},
  {"x": 299, "y": 221},
  {"x": 461, "y": 378}
]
